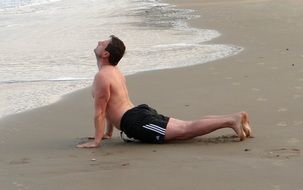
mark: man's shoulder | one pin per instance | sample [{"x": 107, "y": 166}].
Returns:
[
  {"x": 100, "y": 75},
  {"x": 101, "y": 78},
  {"x": 105, "y": 74}
]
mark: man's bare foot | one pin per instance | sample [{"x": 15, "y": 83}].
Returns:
[
  {"x": 238, "y": 126},
  {"x": 245, "y": 124}
]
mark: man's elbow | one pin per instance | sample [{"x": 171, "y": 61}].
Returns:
[{"x": 99, "y": 115}]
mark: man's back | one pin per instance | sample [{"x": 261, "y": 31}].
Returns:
[{"x": 119, "y": 102}]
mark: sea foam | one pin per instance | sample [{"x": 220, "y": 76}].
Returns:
[{"x": 47, "y": 46}]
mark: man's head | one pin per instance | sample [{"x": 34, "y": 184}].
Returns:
[{"x": 112, "y": 49}]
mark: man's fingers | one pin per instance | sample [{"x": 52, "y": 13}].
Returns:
[
  {"x": 83, "y": 146},
  {"x": 106, "y": 137},
  {"x": 80, "y": 146},
  {"x": 88, "y": 145}
]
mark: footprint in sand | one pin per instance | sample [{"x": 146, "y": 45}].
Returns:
[
  {"x": 256, "y": 89},
  {"x": 293, "y": 141},
  {"x": 274, "y": 68},
  {"x": 296, "y": 96},
  {"x": 3, "y": 139},
  {"x": 236, "y": 83},
  {"x": 282, "y": 153},
  {"x": 20, "y": 161},
  {"x": 297, "y": 123},
  {"x": 277, "y": 187},
  {"x": 110, "y": 165},
  {"x": 262, "y": 99},
  {"x": 282, "y": 124},
  {"x": 282, "y": 109},
  {"x": 19, "y": 185}
]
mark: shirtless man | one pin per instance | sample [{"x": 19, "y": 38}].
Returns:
[{"x": 113, "y": 105}]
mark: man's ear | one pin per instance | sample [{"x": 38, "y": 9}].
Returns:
[{"x": 106, "y": 54}]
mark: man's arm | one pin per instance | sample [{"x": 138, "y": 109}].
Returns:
[{"x": 102, "y": 95}]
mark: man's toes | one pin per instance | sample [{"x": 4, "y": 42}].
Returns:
[
  {"x": 247, "y": 130},
  {"x": 245, "y": 124},
  {"x": 242, "y": 135}
]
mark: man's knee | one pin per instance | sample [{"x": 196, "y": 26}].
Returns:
[
  {"x": 183, "y": 132},
  {"x": 187, "y": 134},
  {"x": 177, "y": 131}
]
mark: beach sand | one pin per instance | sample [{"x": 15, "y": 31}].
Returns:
[{"x": 38, "y": 151}]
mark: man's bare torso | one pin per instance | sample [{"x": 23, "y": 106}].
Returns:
[{"x": 119, "y": 101}]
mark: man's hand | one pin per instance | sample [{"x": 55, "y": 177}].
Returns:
[
  {"x": 91, "y": 144},
  {"x": 107, "y": 136}
]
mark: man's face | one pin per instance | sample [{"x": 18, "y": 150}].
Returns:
[{"x": 100, "y": 49}]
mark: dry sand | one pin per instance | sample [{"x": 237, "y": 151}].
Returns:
[{"x": 266, "y": 79}]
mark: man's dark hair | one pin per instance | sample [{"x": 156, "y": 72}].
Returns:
[{"x": 116, "y": 49}]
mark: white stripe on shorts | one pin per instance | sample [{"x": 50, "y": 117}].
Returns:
[{"x": 155, "y": 128}]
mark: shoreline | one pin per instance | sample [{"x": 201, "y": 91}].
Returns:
[
  {"x": 171, "y": 53},
  {"x": 265, "y": 79}
]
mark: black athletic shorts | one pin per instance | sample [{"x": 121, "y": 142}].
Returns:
[{"x": 145, "y": 124}]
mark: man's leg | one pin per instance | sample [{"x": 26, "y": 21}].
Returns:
[
  {"x": 182, "y": 130},
  {"x": 244, "y": 121}
]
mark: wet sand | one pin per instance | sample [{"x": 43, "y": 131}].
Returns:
[{"x": 38, "y": 151}]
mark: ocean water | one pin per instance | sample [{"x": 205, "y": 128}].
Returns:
[{"x": 46, "y": 46}]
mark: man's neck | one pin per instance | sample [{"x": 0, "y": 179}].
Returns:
[{"x": 102, "y": 63}]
